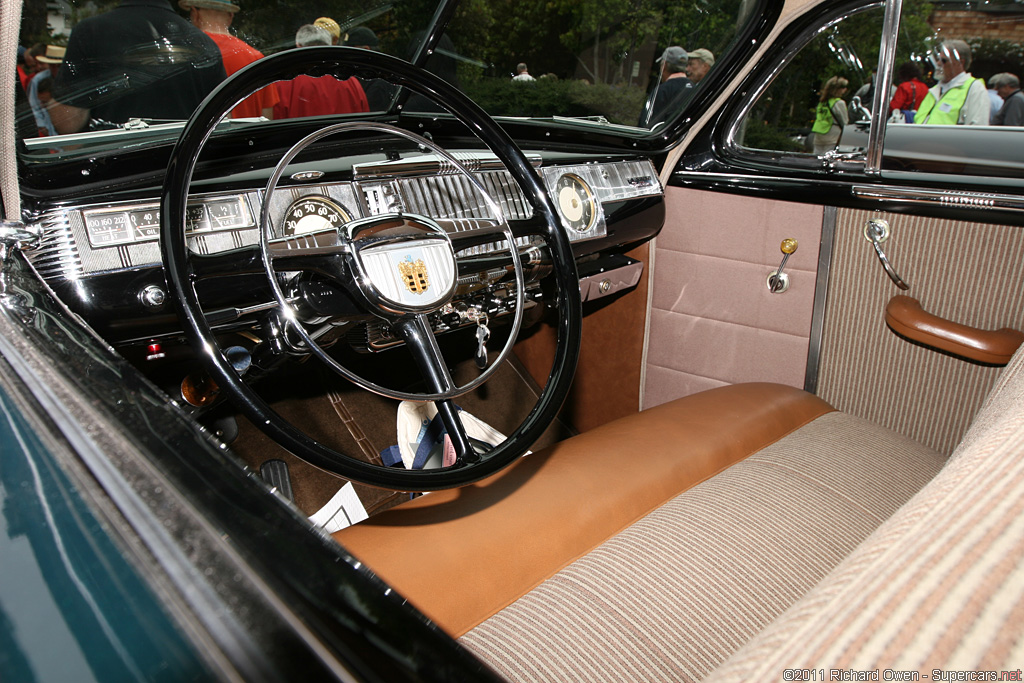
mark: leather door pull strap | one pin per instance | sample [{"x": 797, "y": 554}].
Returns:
[{"x": 905, "y": 316}]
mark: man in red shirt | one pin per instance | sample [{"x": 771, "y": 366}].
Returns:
[
  {"x": 309, "y": 96},
  {"x": 28, "y": 66},
  {"x": 214, "y": 17}
]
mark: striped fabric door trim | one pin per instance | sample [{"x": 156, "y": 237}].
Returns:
[{"x": 970, "y": 273}]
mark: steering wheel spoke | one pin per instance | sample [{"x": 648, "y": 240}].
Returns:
[
  {"x": 418, "y": 336},
  {"x": 317, "y": 253},
  {"x": 241, "y": 261},
  {"x": 456, "y": 430}
]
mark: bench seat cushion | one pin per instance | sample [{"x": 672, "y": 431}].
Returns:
[
  {"x": 675, "y": 594},
  {"x": 463, "y": 555},
  {"x": 940, "y": 585}
]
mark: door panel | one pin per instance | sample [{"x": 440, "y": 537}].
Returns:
[
  {"x": 723, "y": 329},
  {"x": 713, "y": 320},
  {"x": 969, "y": 273}
]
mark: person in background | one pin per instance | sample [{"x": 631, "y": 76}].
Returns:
[
  {"x": 698, "y": 64},
  {"x": 308, "y": 96},
  {"x": 831, "y": 115},
  {"x": 28, "y": 65},
  {"x": 40, "y": 88},
  {"x": 995, "y": 102},
  {"x": 910, "y": 91},
  {"x": 378, "y": 91},
  {"x": 958, "y": 98},
  {"x": 522, "y": 73},
  {"x": 1012, "y": 111},
  {"x": 362, "y": 37},
  {"x": 672, "y": 88},
  {"x": 332, "y": 28},
  {"x": 139, "y": 60},
  {"x": 214, "y": 18}
]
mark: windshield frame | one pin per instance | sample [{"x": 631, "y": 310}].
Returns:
[{"x": 553, "y": 132}]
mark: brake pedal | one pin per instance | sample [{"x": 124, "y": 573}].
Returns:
[{"x": 275, "y": 473}]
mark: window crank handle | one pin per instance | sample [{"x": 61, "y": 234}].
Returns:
[{"x": 877, "y": 231}]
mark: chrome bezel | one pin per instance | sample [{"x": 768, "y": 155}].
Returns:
[{"x": 591, "y": 200}]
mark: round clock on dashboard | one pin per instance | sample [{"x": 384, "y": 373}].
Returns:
[{"x": 576, "y": 202}]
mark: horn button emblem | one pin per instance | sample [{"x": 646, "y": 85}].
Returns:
[
  {"x": 415, "y": 275},
  {"x": 403, "y": 263}
]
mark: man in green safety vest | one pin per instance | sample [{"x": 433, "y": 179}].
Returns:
[{"x": 959, "y": 98}]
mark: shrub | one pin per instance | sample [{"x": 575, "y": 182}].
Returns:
[{"x": 554, "y": 97}]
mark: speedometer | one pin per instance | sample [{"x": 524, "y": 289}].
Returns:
[{"x": 314, "y": 214}]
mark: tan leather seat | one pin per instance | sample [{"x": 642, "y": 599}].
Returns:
[
  {"x": 504, "y": 535},
  {"x": 649, "y": 535}
]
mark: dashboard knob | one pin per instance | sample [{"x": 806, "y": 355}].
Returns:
[{"x": 153, "y": 297}]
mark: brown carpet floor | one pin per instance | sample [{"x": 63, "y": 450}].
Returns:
[{"x": 308, "y": 395}]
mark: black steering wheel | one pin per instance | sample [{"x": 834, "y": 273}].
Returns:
[{"x": 352, "y": 257}]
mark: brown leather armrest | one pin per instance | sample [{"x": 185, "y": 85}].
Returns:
[{"x": 907, "y": 318}]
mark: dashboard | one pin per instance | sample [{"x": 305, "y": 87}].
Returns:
[{"x": 103, "y": 258}]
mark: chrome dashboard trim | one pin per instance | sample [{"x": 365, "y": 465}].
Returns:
[
  {"x": 57, "y": 256},
  {"x": 432, "y": 164},
  {"x": 65, "y": 252}
]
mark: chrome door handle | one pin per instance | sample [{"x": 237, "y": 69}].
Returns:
[{"x": 877, "y": 231}]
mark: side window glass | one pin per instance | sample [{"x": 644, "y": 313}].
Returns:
[
  {"x": 820, "y": 99},
  {"x": 958, "y": 108}
]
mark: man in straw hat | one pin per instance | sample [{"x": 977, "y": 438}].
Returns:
[
  {"x": 139, "y": 60},
  {"x": 214, "y": 18},
  {"x": 332, "y": 28},
  {"x": 40, "y": 86}
]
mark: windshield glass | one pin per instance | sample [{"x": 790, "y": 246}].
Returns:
[{"x": 97, "y": 77}]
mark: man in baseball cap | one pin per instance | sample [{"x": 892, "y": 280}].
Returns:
[
  {"x": 672, "y": 88},
  {"x": 699, "y": 63}
]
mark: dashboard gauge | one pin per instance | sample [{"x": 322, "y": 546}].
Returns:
[
  {"x": 576, "y": 202},
  {"x": 106, "y": 228},
  {"x": 313, "y": 214},
  {"x": 146, "y": 223}
]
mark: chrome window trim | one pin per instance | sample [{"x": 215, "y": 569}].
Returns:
[
  {"x": 883, "y": 76},
  {"x": 775, "y": 156}
]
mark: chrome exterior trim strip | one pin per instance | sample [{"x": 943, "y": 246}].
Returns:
[{"x": 969, "y": 200}]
